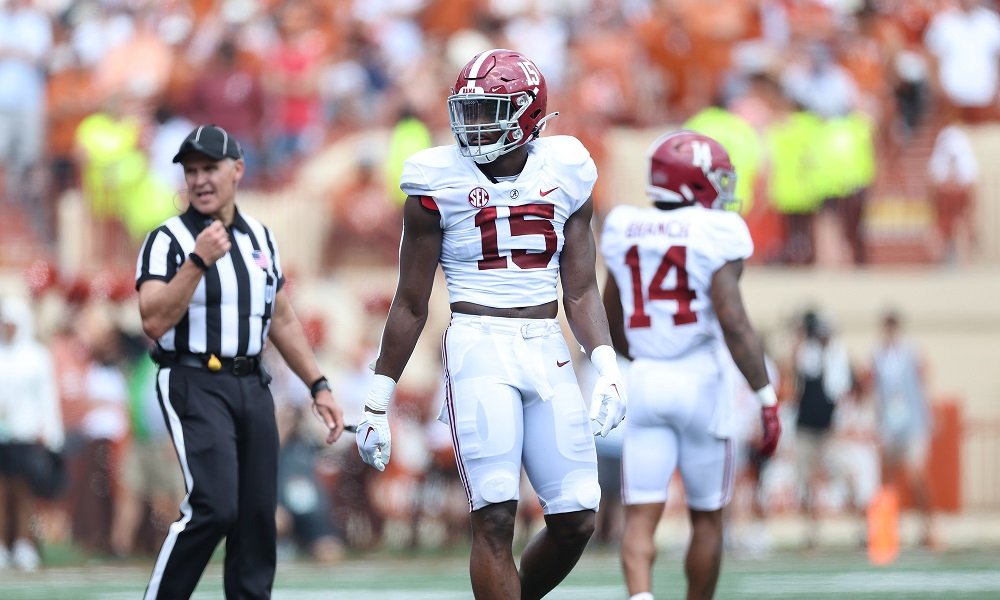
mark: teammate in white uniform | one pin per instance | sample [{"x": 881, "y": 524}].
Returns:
[
  {"x": 507, "y": 216},
  {"x": 674, "y": 304}
]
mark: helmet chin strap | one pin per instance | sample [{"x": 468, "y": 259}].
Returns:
[
  {"x": 486, "y": 158},
  {"x": 541, "y": 124},
  {"x": 491, "y": 155},
  {"x": 687, "y": 193},
  {"x": 662, "y": 195}
]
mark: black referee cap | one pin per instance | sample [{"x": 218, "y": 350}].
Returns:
[{"x": 212, "y": 141}]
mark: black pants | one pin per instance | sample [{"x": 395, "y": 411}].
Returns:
[{"x": 223, "y": 428}]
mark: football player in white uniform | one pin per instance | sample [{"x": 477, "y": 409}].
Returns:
[
  {"x": 507, "y": 215},
  {"x": 674, "y": 304}
]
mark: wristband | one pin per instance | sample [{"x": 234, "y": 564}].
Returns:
[
  {"x": 604, "y": 360},
  {"x": 767, "y": 396},
  {"x": 379, "y": 394},
  {"x": 319, "y": 385},
  {"x": 198, "y": 261}
]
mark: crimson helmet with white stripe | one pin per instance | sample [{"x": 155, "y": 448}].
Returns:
[
  {"x": 497, "y": 104},
  {"x": 686, "y": 167}
]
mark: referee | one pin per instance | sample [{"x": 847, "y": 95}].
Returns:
[{"x": 210, "y": 294}]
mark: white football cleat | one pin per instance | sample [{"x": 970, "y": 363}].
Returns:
[{"x": 25, "y": 556}]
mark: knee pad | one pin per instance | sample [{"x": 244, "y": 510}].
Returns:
[
  {"x": 570, "y": 492},
  {"x": 579, "y": 491},
  {"x": 587, "y": 494},
  {"x": 499, "y": 487}
]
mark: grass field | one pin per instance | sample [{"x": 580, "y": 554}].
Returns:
[{"x": 837, "y": 574}]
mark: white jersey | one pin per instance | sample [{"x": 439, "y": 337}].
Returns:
[
  {"x": 663, "y": 262},
  {"x": 502, "y": 239}
]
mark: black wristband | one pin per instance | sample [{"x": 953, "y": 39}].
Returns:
[
  {"x": 319, "y": 385},
  {"x": 198, "y": 261}
]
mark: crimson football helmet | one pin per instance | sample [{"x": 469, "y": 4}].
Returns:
[
  {"x": 497, "y": 104},
  {"x": 690, "y": 168}
]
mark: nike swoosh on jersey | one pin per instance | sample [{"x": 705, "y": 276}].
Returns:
[
  {"x": 562, "y": 363},
  {"x": 546, "y": 193}
]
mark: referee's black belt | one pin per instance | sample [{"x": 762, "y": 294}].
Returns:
[{"x": 237, "y": 365}]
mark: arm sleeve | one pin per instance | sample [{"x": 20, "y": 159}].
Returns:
[
  {"x": 727, "y": 238},
  {"x": 588, "y": 178},
  {"x": 413, "y": 182},
  {"x": 579, "y": 168},
  {"x": 158, "y": 258}
]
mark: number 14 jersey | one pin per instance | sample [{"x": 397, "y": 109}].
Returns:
[
  {"x": 502, "y": 239},
  {"x": 663, "y": 262}
]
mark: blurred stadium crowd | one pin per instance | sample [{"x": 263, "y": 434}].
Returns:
[
  {"x": 106, "y": 479},
  {"x": 818, "y": 102},
  {"x": 96, "y": 93}
]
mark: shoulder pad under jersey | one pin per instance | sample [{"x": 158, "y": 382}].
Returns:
[
  {"x": 726, "y": 235},
  {"x": 432, "y": 169},
  {"x": 569, "y": 163}
]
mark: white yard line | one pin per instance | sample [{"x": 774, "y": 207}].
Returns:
[
  {"x": 869, "y": 582},
  {"x": 739, "y": 584}
]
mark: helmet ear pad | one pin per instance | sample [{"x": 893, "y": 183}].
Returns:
[
  {"x": 686, "y": 167},
  {"x": 508, "y": 85}
]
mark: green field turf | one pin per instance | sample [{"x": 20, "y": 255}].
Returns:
[{"x": 839, "y": 574}]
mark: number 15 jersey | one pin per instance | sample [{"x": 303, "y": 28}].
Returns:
[
  {"x": 502, "y": 239},
  {"x": 663, "y": 262}
]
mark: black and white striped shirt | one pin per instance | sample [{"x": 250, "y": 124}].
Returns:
[{"x": 231, "y": 308}]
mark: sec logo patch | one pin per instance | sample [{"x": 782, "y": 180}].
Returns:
[{"x": 479, "y": 197}]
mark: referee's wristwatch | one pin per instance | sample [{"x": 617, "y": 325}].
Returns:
[
  {"x": 198, "y": 262},
  {"x": 319, "y": 385}
]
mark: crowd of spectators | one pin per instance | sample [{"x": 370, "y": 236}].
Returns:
[
  {"x": 845, "y": 415},
  {"x": 814, "y": 99},
  {"x": 828, "y": 93},
  {"x": 79, "y": 387}
]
